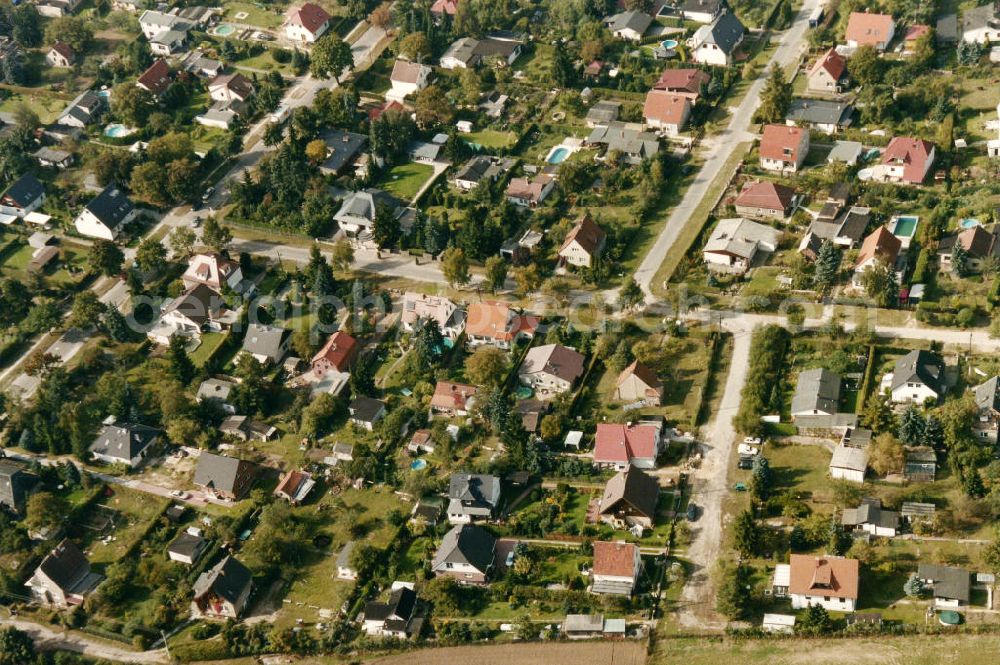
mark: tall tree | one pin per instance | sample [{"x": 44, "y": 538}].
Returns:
[
  {"x": 151, "y": 255},
  {"x": 880, "y": 283},
  {"x": 216, "y": 235},
  {"x": 827, "y": 266},
  {"x": 496, "y": 273},
  {"x": 181, "y": 365},
  {"x": 331, "y": 56},
  {"x": 105, "y": 258},
  {"x": 775, "y": 98},
  {"x": 455, "y": 267},
  {"x": 911, "y": 426}
]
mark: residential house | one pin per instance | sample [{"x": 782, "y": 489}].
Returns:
[
  {"x": 294, "y": 486},
  {"x": 16, "y": 483},
  {"x": 420, "y": 442},
  {"x": 849, "y": 464},
  {"x": 864, "y": 29},
  {"x": 266, "y": 344},
  {"x": 551, "y": 369},
  {"x": 407, "y": 78},
  {"x": 166, "y": 33},
  {"x": 83, "y": 111},
  {"x": 630, "y": 499},
  {"x": 583, "y": 626},
  {"x": 765, "y": 200},
  {"x": 343, "y": 148},
  {"x": 906, "y": 160},
  {"x": 783, "y": 148},
  {"x": 627, "y": 140},
  {"x": 356, "y": 215},
  {"x": 987, "y": 397},
  {"x": 497, "y": 324},
  {"x": 156, "y": 79},
  {"x": 229, "y": 88},
  {"x": 307, "y": 23},
  {"x": 63, "y": 578},
  {"x": 629, "y": 25},
  {"x": 617, "y": 567},
  {"x": 531, "y": 412},
  {"x": 981, "y": 248},
  {"x": 817, "y": 393},
  {"x": 218, "y": 391},
  {"x": 583, "y": 244},
  {"x": 469, "y": 52},
  {"x": 688, "y": 83},
  {"x": 530, "y": 192},
  {"x": 845, "y": 230},
  {"x": 871, "y": 518},
  {"x": 716, "y": 43},
  {"x": 913, "y": 34},
  {"x": 345, "y": 568},
  {"x": 224, "y": 477},
  {"x": 829, "y": 74},
  {"x": 467, "y": 553},
  {"x": 215, "y": 271},
  {"x": 197, "y": 63},
  {"x": 473, "y": 497},
  {"x": 824, "y": 115},
  {"x": 246, "y": 428},
  {"x": 26, "y": 194},
  {"x": 830, "y": 582},
  {"x": 880, "y": 246},
  {"x": 442, "y": 8},
  {"x": 396, "y": 618},
  {"x": 188, "y": 546},
  {"x": 950, "y": 586},
  {"x": 981, "y": 24},
  {"x": 223, "y": 590},
  {"x": 366, "y": 411},
  {"x": 418, "y": 308},
  {"x": 53, "y": 157},
  {"x": 699, "y": 11},
  {"x": 482, "y": 168},
  {"x": 917, "y": 377},
  {"x": 222, "y": 115},
  {"x": 619, "y": 445},
  {"x": 124, "y": 444},
  {"x": 196, "y": 310},
  {"x": 602, "y": 113},
  {"x": 60, "y": 55},
  {"x": 666, "y": 112},
  {"x": 57, "y": 8},
  {"x": 106, "y": 215},
  {"x": 452, "y": 399},
  {"x": 337, "y": 356},
  {"x": 639, "y": 383},
  {"x": 735, "y": 244}
]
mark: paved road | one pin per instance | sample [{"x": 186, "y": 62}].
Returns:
[
  {"x": 47, "y": 639},
  {"x": 719, "y": 149}
]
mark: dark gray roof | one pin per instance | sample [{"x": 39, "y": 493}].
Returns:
[
  {"x": 948, "y": 582},
  {"x": 25, "y": 190},
  {"x": 228, "y": 579},
  {"x": 366, "y": 409},
  {"x": 187, "y": 544},
  {"x": 633, "y": 487},
  {"x": 217, "y": 471},
  {"x": 467, "y": 544},
  {"x": 725, "y": 31},
  {"x": 920, "y": 366},
  {"x": 987, "y": 394},
  {"x": 851, "y": 224},
  {"x": 343, "y": 147},
  {"x": 870, "y": 512},
  {"x": 15, "y": 484},
  {"x": 399, "y": 608},
  {"x": 475, "y": 490},
  {"x": 111, "y": 206},
  {"x": 265, "y": 340},
  {"x": 817, "y": 389},
  {"x": 66, "y": 566},
  {"x": 123, "y": 442},
  {"x": 700, "y": 6},
  {"x": 482, "y": 167},
  {"x": 634, "y": 20},
  {"x": 819, "y": 112}
]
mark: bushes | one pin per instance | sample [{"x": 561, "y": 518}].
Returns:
[{"x": 762, "y": 392}]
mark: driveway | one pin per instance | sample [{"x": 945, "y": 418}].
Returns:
[{"x": 719, "y": 149}]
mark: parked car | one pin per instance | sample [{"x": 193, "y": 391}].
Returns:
[
  {"x": 208, "y": 194},
  {"x": 692, "y": 512}
]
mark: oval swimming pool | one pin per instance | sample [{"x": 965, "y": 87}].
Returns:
[
  {"x": 418, "y": 464},
  {"x": 669, "y": 44},
  {"x": 558, "y": 155}
]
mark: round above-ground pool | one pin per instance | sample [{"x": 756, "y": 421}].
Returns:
[
  {"x": 866, "y": 174},
  {"x": 116, "y": 130},
  {"x": 524, "y": 392},
  {"x": 669, "y": 44},
  {"x": 969, "y": 223},
  {"x": 225, "y": 30},
  {"x": 418, "y": 464},
  {"x": 558, "y": 155}
]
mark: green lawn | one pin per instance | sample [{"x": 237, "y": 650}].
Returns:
[
  {"x": 47, "y": 106},
  {"x": 135, "y": 512},
  {"x": 491, "y": 138},
  {"x": 209, "y": 343},
  {"x": 266, "y": 62},
  {"x": 256, "y": 15},
  {"x": 405, "y": 180}
]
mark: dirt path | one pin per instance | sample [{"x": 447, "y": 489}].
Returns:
[
  {"x": 563, "y": 653},
  {"x": 47, "y": 639}
]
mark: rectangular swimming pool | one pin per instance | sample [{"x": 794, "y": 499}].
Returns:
[{"x": 905, "y": 226}]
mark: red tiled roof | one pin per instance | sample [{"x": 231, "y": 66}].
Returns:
[
  {"x": 778, "y": 139},
  {"x": 667, "y": 107},
  {"x": 880, "y": 244},
  {"x": 156, "y": 78},
  {"x": 823, "y": 576},
  {"x": 869, "y": 29},
  {"x": 65, "y": 50},
  {"x": 586, "y": 233},
  {"x": 915, "y": 32},
  {"x": 406, "y": 72},
  {"x": 450, "y": 395},
  {"x": 309, "y": 16},
  {"x": 614, "y": 559},
  {"x": 618, "y": 443},
  {"x": 290, "y": 482},
  {"x": 834, "y": 64},
  {"x": 682, "y": 80},
  {"x": 497, "y": 320},
  {"x": 449, "y": 7},
  {"x": 767, "y": 195},
  {"x": 339, "y": 350},
  {"x": 912, "y": 153},
  {"x": 375, "y": 113}
]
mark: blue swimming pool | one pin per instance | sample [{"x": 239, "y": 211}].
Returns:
[
  {"x": 418, "y": 464},
  {"x": 905, "y": 226},
  {"x": 225, "y": 30},
  {"x": 116, "y": 130},
  {"x": 969, "y": 223},
  {"x": 669, "y": 44},
  {"x": 559, "y": 155}
]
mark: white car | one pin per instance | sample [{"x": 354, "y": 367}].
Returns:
[{"x": 281, "y": 113}]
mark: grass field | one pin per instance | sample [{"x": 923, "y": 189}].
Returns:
[
  {"x": 405, "y": 180},
  {"x": 135, "y": 512},
  {"x": 491, "y": 138},
  {"x": 256, "y": 15},
  {"x": 209, "y": 343}
]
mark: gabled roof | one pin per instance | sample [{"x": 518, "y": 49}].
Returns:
[
  {"x": 987, "y": 394},
  {"x": 467, "y": 544},
  {"x": 66, "y": 566},
  {"x": 666, "y": 107},
  {"x": 235, "y": 83},
  {"x": 218, "y": 471},
  {"x": 156, "y": 78},
  {"x": 65, "y": 50},
  {"x": 199, "y": 304},
  {"x": 399, "y": 608},
  {"x": 630, "y": 20},
  {"x": 880, "y": 244},
  {"x": 111, "y": 207},
  {"x": 823, "y": 576},
  {"x": 919, "y": 366},
  {"x": 342, "y": 147},
  {"x": 870, "y": 512},
  {"x": 366, "y": 409},
  {"x": 851, "y": 459},
  {"x": 475, "y": 489},
  {"x": 529, "y": 189},
  {"x": 634, "y": 488},
  {"x": 741, "y": 238},
  {"x": 782, "y": 143},
  {"x": 449, "y": 7},
  {"x": 621, "y": 443},
  {"x": 555, "y": 359},
  {"x": 832, "y": 63},
  {"x": 948, "y": 582},
  {"x": 682, "y": 80},
  {"x": 339, "y": 350},
  {"x": 819, "y": 112},
  {"x": 614, "y": 559},
  {"x": 642, "y": 372},
  {"x": 869, "y": 29},
  {"x": 405, "y": 71},
  {"x": 587, "y": 234},
  {"x": 766, "y": 195},
  {"x": 451, "y": 395},
  {"x": 817, "y": 389},
  {"x": 480, "y": 167},
  {"x": 264, "y": 340},
  {"x": 497, "y": 320},
  {"x": 725, "y": 32},
  {"x": 15, "y": 483},
  {"x": 309, "y": 16},
  {"x": 24, "y": 191},
  {"x": 913, "y": 154},
  {"x": 977, "y": 242},
  {"x": 227, "y": 579},
  {"x": 123, "y": 442}
]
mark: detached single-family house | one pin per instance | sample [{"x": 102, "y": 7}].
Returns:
[
  {"x": 452, "y": 399},
  {"x": 619, "y": 445},
  {"x": 825, "y": 115},
  {"x": 490, "y": 323},
  {"x": 63, "y": 578},
  {"x": 124, "y": 444},
  {"x": 225, "y": 477},
  {"x": 987, "y": 397},
  {"x": 396, "y": 618},
  {"x": 864, "y": 29},
  {"x": 906, "y": 160},
  {"x": 497, "y": 48},
  {"x": 266, "y": 344},
  {"x": 473, "y": 497},
  {"x": 688, "y": 83},
  {"x": 849, "y": 463},
  {"x": 48, "y": 156},
  {"x": 982, "y": 24},
  {"x": 817, "y": 393},
  {"x": 166, "y": 33},
  {"x": 60, "y": 55},
  {"x": 337, "y": 356},
  {"x": 629, "y": 25},
  {"x": 583, "y": 244},
  {"x": 215, "y": 271},
  {"x": 482, "y": 168},
  {"x": 156, "y": 79},
  {"x": 356, "y": 215},
  {"x": 917, "y": 377},
  {"x": 950, "y": 586},
  {"x": 828, "y": 74},
  {"x": 630, "y": 499},
  {"x": 627, "y": 140},
  {"x": 765, "y": 200},
  {"x": 467, "y": 553},
  {"x": 617, "y": 566},
  {"x": 530, "y": 193},
  {"x": 407, "y": 78},
  {"x": 229, "y": 88},
  {"x": 871, "y": 518},
  {"x": 26, "y": 194},
  {"x": 294, "y": 486},
  {"x": 666, "y": 111},
  {"x": 602, "y": 113},
  {"x": 16, "y": 483},
  {"x": 223, "y": 590},
  {"x": 188, "y": 546},
  {"x": 735, "y": 243},
  {"x": 343, "y": 148},
  {"x": 246, "y": 428},
  {"x": 979, "y": 244},
  {"x": 880, "y": 245},
  {"x": 418, "y": 308},
  {"x": 699, "y": 11},
  {"x": 783, "y": 148},
  {"x": 639, "y": 383},
  {"x": 306, "y": 23},
  {"x": 366, "y": 411},
  {"x": 442, "y": 8},
  {"x": 716, "y": 43},
  {"x": 106, "y": 215},
  {"x": 551, "y": 369},
  {"x": 830, "y": 582},
  {"x": 85, "y": 110},
  {"x": 196, "y": 310}
]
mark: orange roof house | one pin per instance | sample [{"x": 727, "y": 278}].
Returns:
[
  {"x": 583, "y": 243},
  {"x": 666, "y": 111},
  {"x": 337, "y": 355},
  {"x": 907, "y": 160},
  {"x": 783, "y": 148},
  {"x": 881, "y": 244},
  {"x": 819, "y": 580},
  {"x": 497, "y": 324},
  {"x": 828, "y": 74},
  {"x": 687, "y": 82},
  {"x": 864, "y": 29},
  {"x": 765, "y": 200}
]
